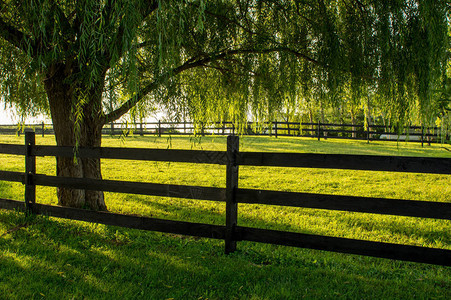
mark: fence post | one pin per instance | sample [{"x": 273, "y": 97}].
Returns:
[
  {"x": 422, "y": 135},
  {"x": 319, "y": 130},
  {"x": 231, "y": 186},
  {"x": 275, "y": 128},
  {"x": 141, "y": 130},
  {"x": 30, "y": 170},
  {"x": 159, "y": 128},
  {"x": 112, "y": 128},
  {"x": 43, "y": 129},
  {"x": 368, "y": 131}
]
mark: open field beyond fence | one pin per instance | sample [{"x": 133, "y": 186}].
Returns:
[
  {"x": 318, "y": 130},
  {"x": 341, "y": 226}
]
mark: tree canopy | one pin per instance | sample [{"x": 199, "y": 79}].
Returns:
[
  {"x": 89, "y": 62},
  {"x": 225, "y": 58}
]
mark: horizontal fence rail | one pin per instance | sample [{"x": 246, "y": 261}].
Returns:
[
  {"x": 318, "y": 130},
  {"x": 12, "y": 176},
  {"x": 188, "y": 156},
  {"x": 138, "y": 188},
  {"x": 232, "y": 195},
  {"x": 107, "y": 218},
  {"x": 334, "y": 244},
  {"x": 422, "y": 209},
  {"x": 343, "y": 245},
  {"x": 13, "y": 149},
  {"x": 346, "y": 161},
  {"x": 303, "y": 160}
]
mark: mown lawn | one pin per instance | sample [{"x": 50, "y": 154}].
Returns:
[{"x": 45, "y": 257}]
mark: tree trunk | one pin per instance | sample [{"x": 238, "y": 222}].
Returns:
[
  {"x": 61, "y": 98},
  {"x": 92, "y": 137}
]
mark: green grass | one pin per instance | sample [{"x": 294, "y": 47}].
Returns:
[{"x": 42, "y": 257}]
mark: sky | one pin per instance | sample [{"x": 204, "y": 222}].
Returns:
[{"x": 7, "y": 117}]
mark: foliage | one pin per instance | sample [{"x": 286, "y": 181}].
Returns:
[{"x": 205, "y": 59}]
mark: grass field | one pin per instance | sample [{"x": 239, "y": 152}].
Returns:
[{"x": 45, "y": 257}]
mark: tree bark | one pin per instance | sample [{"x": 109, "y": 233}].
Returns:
[
  {"x": 92, "y": 137},
  {"x": 61, "y": 99}
]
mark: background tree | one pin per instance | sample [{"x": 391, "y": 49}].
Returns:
[{"x": 89, "y": 62}]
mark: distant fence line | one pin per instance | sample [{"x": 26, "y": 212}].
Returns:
[
  {"x": 315, "y": 130},
  {"x": 232, "y": 195}
]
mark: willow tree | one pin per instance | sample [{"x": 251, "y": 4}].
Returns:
[{"x": 89, "y": 62}]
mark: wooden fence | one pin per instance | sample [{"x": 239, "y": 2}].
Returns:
[
  {"x": 232, "y": 195},
  {"x": 315, "y": 130}
]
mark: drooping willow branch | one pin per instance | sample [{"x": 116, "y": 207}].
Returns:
[{"x": 194, "y": 63}]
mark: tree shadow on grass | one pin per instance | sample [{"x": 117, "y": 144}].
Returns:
[
  {"x": 12, "y": 190},
  {"x": 385, "y": 228},
  {"x": 60, "y": 259},
  {"x": 68, "y": 259}
]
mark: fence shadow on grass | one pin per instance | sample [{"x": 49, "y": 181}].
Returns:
[
  {"x": 347, "y": 224},
  {"x": 61, "y": 259}
]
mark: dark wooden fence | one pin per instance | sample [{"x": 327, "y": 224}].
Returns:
[
  {"x": 315, "y": 130},
  {"x": 232, "y": 195}
]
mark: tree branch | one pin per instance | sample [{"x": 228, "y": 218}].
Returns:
[
  {"x": 130, "y": 103},
  {"x": 225, "y": 70},
  {"x": 222, "y": 17},
  {"x": 13, "y": 35},
  {"x": 145, "y": 44},
  {"x": 190, "y": 64},
  {"x": 62, "y": 18},
  {"x": 151, "y": 7},
  {"x": 67, "y": 31},
  {"x": 20, "y": 39},
  {"x": 117, "y": 41}
]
